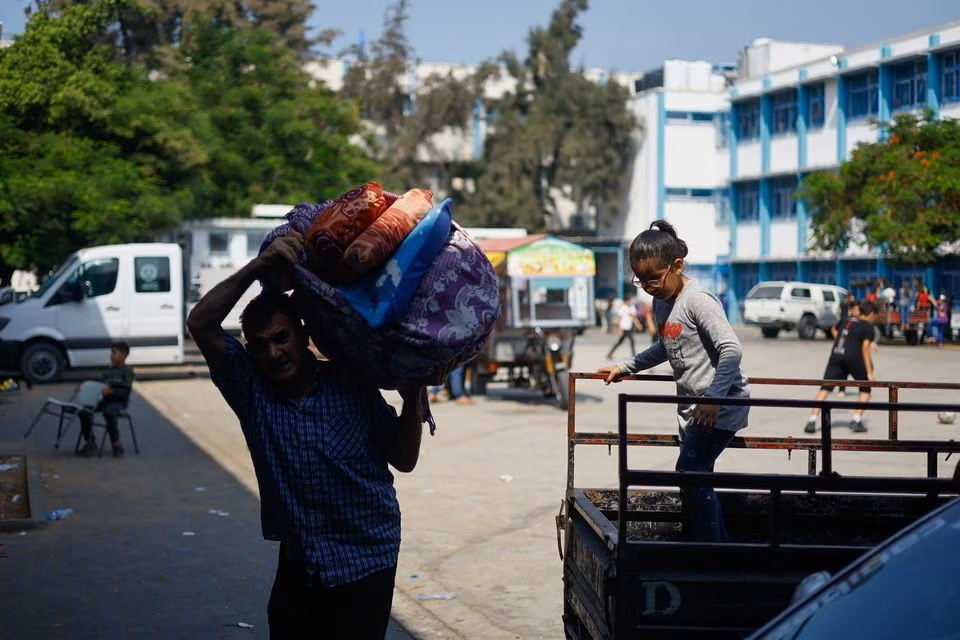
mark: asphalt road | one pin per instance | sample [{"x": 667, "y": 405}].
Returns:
[
  {"x": 480, "y": 546},
  {"x": 480, "y": 556}
]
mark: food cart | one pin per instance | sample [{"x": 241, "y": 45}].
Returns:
[{"x": 546, "y": 295}]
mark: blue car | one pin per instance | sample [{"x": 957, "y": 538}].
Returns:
[{"x": 906, "y": 587}]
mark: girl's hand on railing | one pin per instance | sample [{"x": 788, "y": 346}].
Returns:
[{"x": 611, "y": 372}]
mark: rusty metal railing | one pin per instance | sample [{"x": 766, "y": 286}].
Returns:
[{"x": 825, "y": 443}]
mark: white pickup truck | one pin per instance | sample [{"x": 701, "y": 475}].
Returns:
[{"x": 782, "y": 305}]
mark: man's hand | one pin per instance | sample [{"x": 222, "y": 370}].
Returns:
[
  {"x": 612, "y": 373},
  {"x": 204, "y": 321},
  {"x": 284, "y": 250}
]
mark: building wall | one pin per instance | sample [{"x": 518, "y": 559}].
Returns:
[
  {"x": 693, "y": 168},
  {"x": 767, "y": 236}
]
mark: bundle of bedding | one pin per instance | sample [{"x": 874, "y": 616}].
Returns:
[{"x": 392, "y": 285}]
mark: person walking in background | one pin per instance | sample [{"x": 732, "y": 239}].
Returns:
[
  {"x": 904, "y": 302},
  {"x": 940, "y": 319},
  {"x": 627, "y": 324},
  {"x": 117, "y": 385},
  {"x": 612, "y": 309},
  {"x": 322, "y": 440},
  {"x": 850, "y": 356},
  {"x": 705, "y": 354},
  {"x": 601, "y": 306},
  {"x": 845, "y": 304},
  {"x": 455, "y": 387},
  {"x": 923, "y": 302}
]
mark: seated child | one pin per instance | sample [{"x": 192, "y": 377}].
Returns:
[{"x": 115, "y": 394}]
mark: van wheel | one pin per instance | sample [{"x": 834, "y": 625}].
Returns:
[
  {"x": 770, "y": 332},
  {"x": 807, "y": 328},
  {"x": 41, "y": 362}
]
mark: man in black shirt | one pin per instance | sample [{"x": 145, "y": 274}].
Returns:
[{"x": 850, "y": 356}]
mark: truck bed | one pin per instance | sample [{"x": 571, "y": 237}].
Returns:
[{"x": 680, "y": 589}]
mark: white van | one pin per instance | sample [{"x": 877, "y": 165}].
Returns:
[
  {"x": 804, "y": 306},
  {"x": 128, "y": 292}
]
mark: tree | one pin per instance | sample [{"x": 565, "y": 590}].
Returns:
[
  {"x": 95, "y": 149},
  {"x": 271, "y": 133},
  {"x": 404, "y": 121},
  {"x": 65, "y": 179},
  {"x": 148, "y": 32},
  {"x": 557, "y": 137},
  {"x": 900, "y": 195}
]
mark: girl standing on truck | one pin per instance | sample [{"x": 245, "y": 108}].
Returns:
[{"x": 697, "y": 340}]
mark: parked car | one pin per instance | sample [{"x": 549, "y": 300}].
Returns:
[
  {"x": 905, "y": 587},
  {"x": 779, "y": 305}
]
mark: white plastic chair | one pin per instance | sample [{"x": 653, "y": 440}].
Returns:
[{"x": 86, "y": 397}]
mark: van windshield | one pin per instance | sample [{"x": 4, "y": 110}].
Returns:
[
  {"x": 765, "y": 293},
  {"x": 49, "y": 281}
]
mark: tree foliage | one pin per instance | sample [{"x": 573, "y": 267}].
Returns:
[
  {"x": 65, "y": 178},
  {"x": 148, "y": 31},
  {"x": 557, "y": 136},
  {"x": 900, "y": 195},
  {"x": 271, "y": 133},
  {"x": 406, "y": 120},
  {"x": 95, "y": 149}
]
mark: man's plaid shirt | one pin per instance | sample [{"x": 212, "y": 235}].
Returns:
[{"x": 325, "y": 489}]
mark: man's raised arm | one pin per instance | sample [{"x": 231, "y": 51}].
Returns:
[{"x": 205, "y": 320}]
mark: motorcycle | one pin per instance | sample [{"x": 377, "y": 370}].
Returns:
[{"x": 539, "y": 360}]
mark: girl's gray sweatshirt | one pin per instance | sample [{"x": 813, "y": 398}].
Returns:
[{"x": 703, "y": 350}]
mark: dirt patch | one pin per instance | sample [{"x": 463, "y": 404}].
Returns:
[{"x": 14, "y": 500}]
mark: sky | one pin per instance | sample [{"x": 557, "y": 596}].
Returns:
[{"x": 618, "y": 35}]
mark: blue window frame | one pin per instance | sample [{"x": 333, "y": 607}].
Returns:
[
  {"x": 784, "y": 112},
  {"x": 722, "y": 122},
  {"x": 683, "y": 193},
  {"x": 909, "y": 88},
  {"x": 690, "y": 116},
  {"x": 723, "y": 208},
  {"x": 748, "y": 202},
  {"x": 863, "y": 95},
  {"x": 783, "y": 203},
  {"x": 748, "y": 120},
  {"x": 951, "y": 76},
  {"x": 815, "y": 104}
]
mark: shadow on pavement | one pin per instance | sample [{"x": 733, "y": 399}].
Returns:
[{"x": 164, "y": 545}]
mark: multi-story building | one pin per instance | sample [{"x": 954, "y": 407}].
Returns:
[
  {"x": 722, "y": 160},
  {"x": 720, "y": 154}
]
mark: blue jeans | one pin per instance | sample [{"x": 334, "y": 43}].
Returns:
[
  {"x": 456, "y": 382},
  {"x": 701, "y": 510},
  {"x": 939, "y": 324}
]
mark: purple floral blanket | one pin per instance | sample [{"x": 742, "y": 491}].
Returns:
[{"x": 446, "y": 324}]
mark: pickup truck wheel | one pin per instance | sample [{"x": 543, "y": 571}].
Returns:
[
  {"x": 807, "y": 328},
  {"x": 770, "y": 332},
  {"x": 41, "y": 362}
]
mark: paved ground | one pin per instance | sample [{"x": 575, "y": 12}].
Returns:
[{"x": 167, "y": 544}]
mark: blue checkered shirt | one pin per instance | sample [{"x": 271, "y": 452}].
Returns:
[{"x": 325, "y": 489}]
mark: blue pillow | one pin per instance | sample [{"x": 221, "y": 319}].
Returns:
[{"x": 383, "y": 295}]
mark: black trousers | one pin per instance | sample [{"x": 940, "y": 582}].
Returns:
[
  {"x": 110, "y": 409},
  {"x": 355, "y": 611}
]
